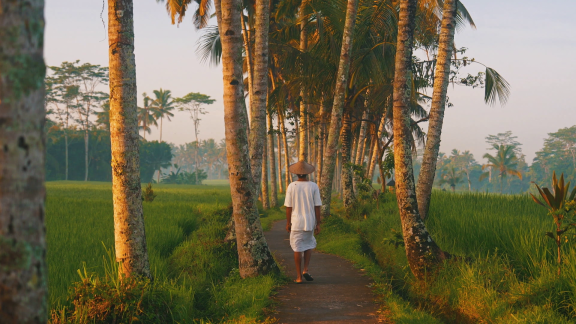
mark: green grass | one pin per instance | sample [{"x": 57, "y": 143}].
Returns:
[
  {"x": 185, "y": 228},
  {"x": 508, "y": 274}
]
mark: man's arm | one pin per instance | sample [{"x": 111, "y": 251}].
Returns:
[
  {"x": 288, "y": 218},
  {"x": 317, "y": 213}
]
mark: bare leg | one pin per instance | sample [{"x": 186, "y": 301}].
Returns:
[
  {"x": 298, "y": 260},
  {"x": 307, "y": 256}
]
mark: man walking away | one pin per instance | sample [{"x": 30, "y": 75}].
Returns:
[{"x": 302, "y": 216}]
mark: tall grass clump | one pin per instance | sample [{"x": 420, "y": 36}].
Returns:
[
  {"x": 504, "y": 270},
  {"x": 194, "y": 266}
]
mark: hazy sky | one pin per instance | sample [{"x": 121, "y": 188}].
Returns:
[{"x": 531, "y": 44}]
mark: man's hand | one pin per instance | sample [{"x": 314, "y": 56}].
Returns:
[
  {"x": 288, "y": 227},
  {"x": 317, "y": 230}
]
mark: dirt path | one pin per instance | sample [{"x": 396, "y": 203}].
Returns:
[{"x": 338, "y": 294}]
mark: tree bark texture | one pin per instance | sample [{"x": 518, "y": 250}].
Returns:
[
  {"x": 129, "y": 231},
  {"x": 421, "y": 251},
  {"x": 376, "y": 147},
  {"x": 303, "y": 130},
  {"x": 338, "y": 107},
  {"x": 286, "y": 150},
  {"x": 264, "y": 187},
  {"x": 280, "y": 148},
  {"x": 321, "y": 131},
  {"x": 436, "y": 116},
  {"x": 362, "y": 139},
  {"x": 253, "y": 254},
  {"x": 349, "y": 198},
  {"x": 272, "y": 162},
  {"x": 23, "y": 270},
  {"x": 260, "y": 89}
]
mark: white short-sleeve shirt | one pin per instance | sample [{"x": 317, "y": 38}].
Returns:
[{"x": 303, "y": 196}]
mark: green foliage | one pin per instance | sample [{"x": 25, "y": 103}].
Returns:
[
  {"x": 148, "y": 194},
  {"x": 154, "y": 156},
  {"x": 183, "y": 177},
  {"x": 505, "y": 270},
  {"x": 193, "y": 267}
]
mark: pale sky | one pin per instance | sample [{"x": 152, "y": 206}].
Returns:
[{"x": 530, "y": 43}]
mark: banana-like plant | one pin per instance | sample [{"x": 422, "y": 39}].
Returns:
[{"x": 559, "y": 208}]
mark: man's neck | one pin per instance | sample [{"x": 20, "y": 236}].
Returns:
[{"x": 302, "y": 179}]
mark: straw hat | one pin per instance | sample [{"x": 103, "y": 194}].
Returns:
[{"x": 301, "y": 167}]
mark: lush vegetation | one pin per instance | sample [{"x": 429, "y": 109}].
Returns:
[
  {"x": 194, "y": 267},
  {"x": 503, "y": 270}
]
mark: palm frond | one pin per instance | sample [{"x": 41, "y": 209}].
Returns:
[
  {"x": 496, "y": 88},
  {"x": 209, "y": 46}
]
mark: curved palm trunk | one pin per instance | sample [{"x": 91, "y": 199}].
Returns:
[
  {"x": 436, "y": 117},
  {"x": 272, "y": 160},
  {"x": 254, "y": 257},
  {"x": 421, "y": 251},
  {"x": 376, "y": 148},
  {"x": 347, "y": 177},
  {"x": 129, "y": 231},
  {"x": 23, "y": 271},
  {"x": 260, "y": 89},
  {"x": 280, "y": 148},
  {"x": 338, "y": 107}
]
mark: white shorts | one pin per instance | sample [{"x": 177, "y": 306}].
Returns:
[{"x": 301, "y": 241}]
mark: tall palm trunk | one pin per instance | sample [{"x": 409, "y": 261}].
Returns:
[
  {"x": 280, "y": 148},
  {"x": 86, "y": 160},
  {"x": 249, "y": 57},
  {"x": 129, "y": 231},
  {"x": 66, "y": 153},
  {"x": 161, "y": 122},
  {"x": 272, "y": 160},
  {"x": 303, "y": 130},
  {"x": 23, "y": 271},
  {"x": 264, "y": 187},
  {"x": 436, "y": 116},
  {"x": 321, "y": 131},
  {"x": 254, "y": 257},
  {"x": 347, "y": 177},
  {"x": 282, "y": 118},
  {"x": 362, "y": 139},
  {"x": 260, "y": 90},
  {"x": 338, "y": 107},
  {"x": 421, "y": 251},
  {"x": 376, "y": 147}
]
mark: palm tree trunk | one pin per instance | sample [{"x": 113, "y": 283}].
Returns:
[
  {"x": 286, "y": 150},
  {"x": 347, "y": 182},
  {"x": 265, "y": 191},
  {"x": 254, "y": 257},
  {"x": 249, "y": 60},
  {"x": 338, "y": 107},
  {"x": 436, "y": 116},
  {"x": 161, "y": 122},
  {"x": 321, "y": 131},
  {"x": 86, "y": 160},
  {"x": 272, "y": 160},
  {"x": 421, "y": 251},
  {"x": 257, "y": 139},
  {"x": 303, "y": 130},
  {"x": 23, "y": 271},
  {"x": 280, "y": 146},
  {"x": 376, "y": 147},
  {"x": 66, "y": 154},
  {"x": 129, "y": 231}
]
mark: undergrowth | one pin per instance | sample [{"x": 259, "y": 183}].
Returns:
[
  {"x": 195, "y": 275},
  {"x": 507, "y": 275}
]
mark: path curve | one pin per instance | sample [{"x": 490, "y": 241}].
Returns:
[{"x": 338, "y": 294}]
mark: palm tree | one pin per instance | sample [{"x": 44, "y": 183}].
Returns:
[
  {"x": 146, "y": 116},
  {"x": 421, "y": 250},
  {"x": 177, "y": 10},
  {"x": 163, "y": 105},
  {"x": 23, "y": 271},
  {"x": 505, "y": 161},
  {"x": 451, "y": 177},
  {"x": 254, "y": 256},
  {"x": 338, "y": 107},
  {"x": 129, "y": 230}
]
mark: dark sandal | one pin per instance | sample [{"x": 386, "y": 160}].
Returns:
[{"x": 307, "y": 276}]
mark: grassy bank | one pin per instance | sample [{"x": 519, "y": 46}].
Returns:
[
  {"x": 509, "y": 275},
  {"x": 194, "y": 267}
]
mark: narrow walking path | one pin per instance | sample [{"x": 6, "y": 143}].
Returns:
[{"x": 338, "y": 294}]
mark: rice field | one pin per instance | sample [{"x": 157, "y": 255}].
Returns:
[
  {"x": 185, "y": 227},
  {"x": 507, "y": 269}
]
